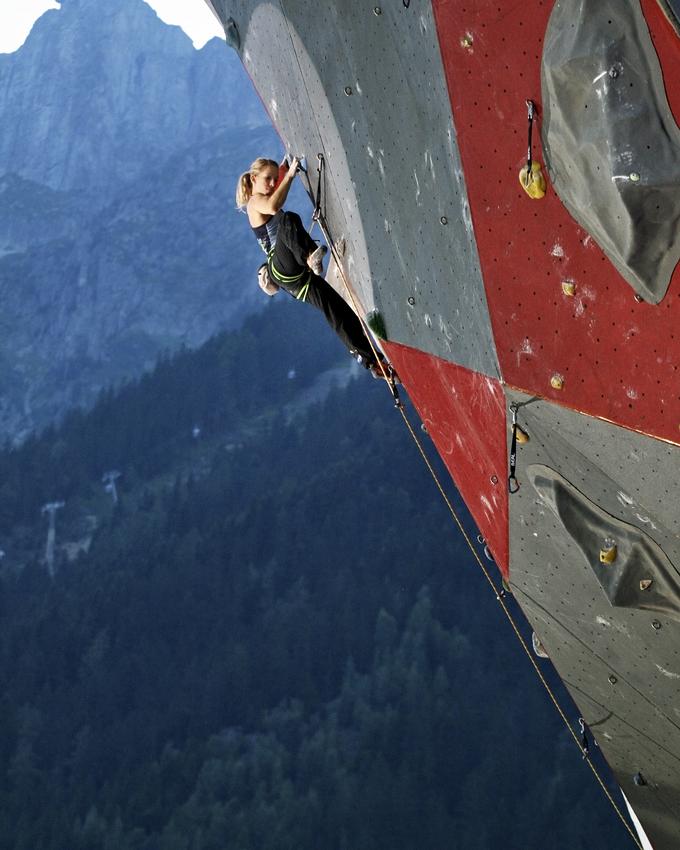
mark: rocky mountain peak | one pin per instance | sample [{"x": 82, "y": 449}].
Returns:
[
  {"x": 88, "y": 113},
  {"x": 120, "y": 150}
]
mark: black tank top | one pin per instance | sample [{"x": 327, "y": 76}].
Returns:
[{"x": 266, "y": 233}]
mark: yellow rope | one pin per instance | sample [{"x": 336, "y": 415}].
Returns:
[{"x": 469, "y": 542}]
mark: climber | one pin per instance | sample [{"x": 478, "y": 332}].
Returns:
[{"x": 294, "y": 260}]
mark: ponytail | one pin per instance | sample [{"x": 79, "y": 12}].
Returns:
[{"x": 244, "y": 187}]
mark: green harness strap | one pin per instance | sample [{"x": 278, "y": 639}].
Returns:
[{"x": 286, "y": 280}]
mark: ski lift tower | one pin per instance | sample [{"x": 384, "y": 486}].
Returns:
[
  {"x": 51, "y": 508},
  {"x": 109, "y": 481}
]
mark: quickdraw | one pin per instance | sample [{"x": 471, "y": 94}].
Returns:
[
  {"x": 530, "y": 176},
  {"x": 530, "y": 117},
  {"x": 513, "y": 483},
  {"x": 585, "y": 747}
]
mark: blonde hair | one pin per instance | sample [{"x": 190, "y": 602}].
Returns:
[{"x": 244, "y": 187}]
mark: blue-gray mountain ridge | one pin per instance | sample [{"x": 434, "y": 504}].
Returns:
[{"x": 120, "y": 150}]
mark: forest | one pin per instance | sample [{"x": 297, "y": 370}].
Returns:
[{"x": 273, "y": 640}]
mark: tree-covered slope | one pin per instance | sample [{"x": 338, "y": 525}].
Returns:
[{"x": 275, "y": 640}]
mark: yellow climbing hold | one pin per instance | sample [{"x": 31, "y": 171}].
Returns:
[
  {"x": 557, "y": 382},
  {"x": 569, "y": 288},
  {"x": 522, "y": 436},
  {"x": 533, "y": 182},
  {"x": 608, "y": 553}
]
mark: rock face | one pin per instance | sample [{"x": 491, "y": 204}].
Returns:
[
  {"x": 119, "y": 155},
  {"x": 101, "y": 92}
]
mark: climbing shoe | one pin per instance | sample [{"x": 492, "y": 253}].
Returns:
[
  {"x": 382, "y": 369},
  {"x": 315, "y": 260}
]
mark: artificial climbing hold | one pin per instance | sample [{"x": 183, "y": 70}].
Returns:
[
  {"x": 533, "y": 182},
  {"x": 538, "y": 647},
  {"x": 376, "y": 323},
  {"x": 557, "y": 382},
  {"x": 608, "y": 552},
  {"x": 231, "y": 34},
  {"x": 569, "y": 288},
  {"x": 522, "y": 436}
]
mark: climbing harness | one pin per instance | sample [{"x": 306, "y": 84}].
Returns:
[{"x": 287, "y": 281}]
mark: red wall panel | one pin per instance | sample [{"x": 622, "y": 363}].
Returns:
[
  {"x": 464, "y": 413},
  {"x": 620, "y": 359}
]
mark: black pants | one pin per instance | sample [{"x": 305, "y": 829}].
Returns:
[{"x": 293, "y": 246}]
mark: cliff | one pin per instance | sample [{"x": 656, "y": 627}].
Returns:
[{"x": 118, "y": 236}]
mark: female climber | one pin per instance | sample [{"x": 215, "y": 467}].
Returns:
[{"x": 294, "y": 261}]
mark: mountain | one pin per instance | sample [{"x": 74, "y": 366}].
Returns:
[
  {"x": 101, "y": 93},
  {"x": 118, "y": 234}
]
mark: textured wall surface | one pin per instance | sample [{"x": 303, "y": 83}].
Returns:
[
  {"x": 367, "y": 91},
  {"x": 490, "y": 298},
  {"x": 611, "y": 142},
  {"x": 619, "y": 359},
  {"x": 621, "y": 663}
]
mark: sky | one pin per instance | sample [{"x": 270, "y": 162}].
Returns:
[{"x": 18, "y": 16}]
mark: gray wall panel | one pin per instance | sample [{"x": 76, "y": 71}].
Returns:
[
  {"x": 633, "y": 478},
  {"x": 611, "y": 140},
  {"x": 390, "y": 149}
]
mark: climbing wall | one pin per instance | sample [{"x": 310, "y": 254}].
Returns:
[
  {"x": 463, "y": 412},
  {"x": 617, "y": 358},
  {"x": 611, "y": 629},
  {"x": 359, "y": 89},
  {"x": 570, "y": 331},
  {"x": 490, "y": 298},
  {"x": 610, "y": 138},
  {"x": 367, "y": 91}
]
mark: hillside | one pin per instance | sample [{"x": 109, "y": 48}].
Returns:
[{"x": 273, "y": 640}]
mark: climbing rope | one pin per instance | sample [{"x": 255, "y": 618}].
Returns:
[
  {"x": 320, "y": 217},
  {"x": 501, "y": 595}
]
